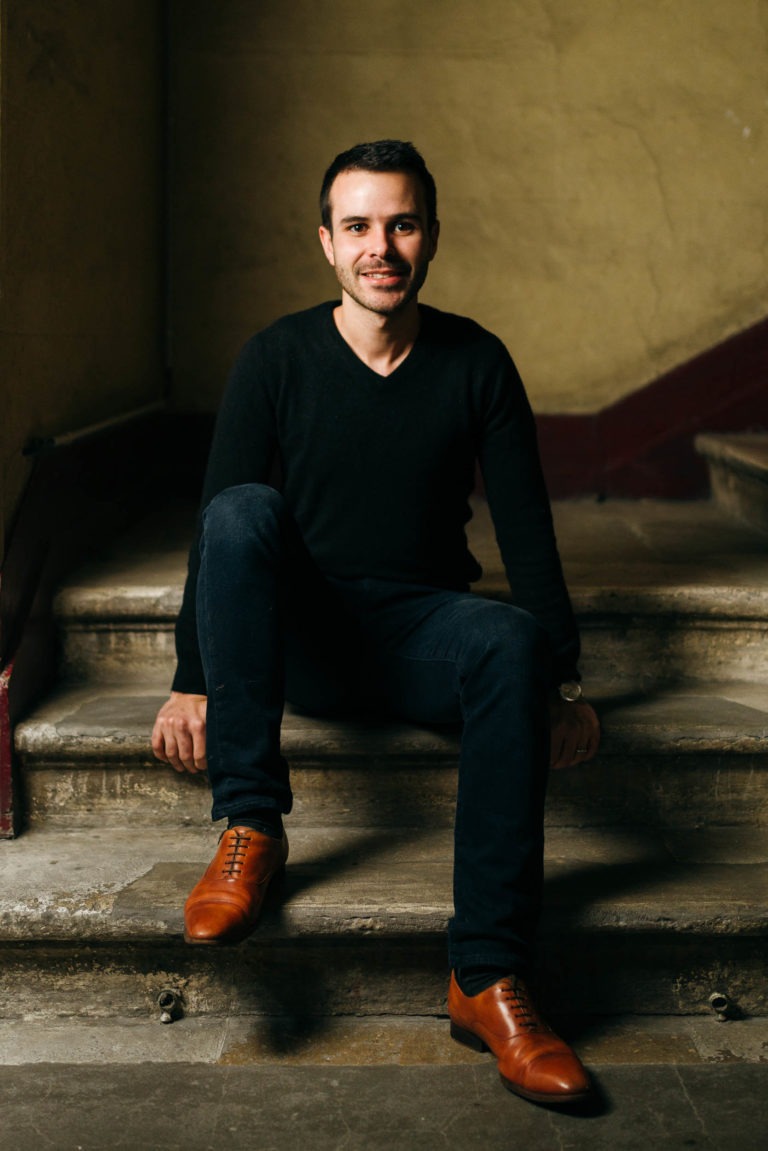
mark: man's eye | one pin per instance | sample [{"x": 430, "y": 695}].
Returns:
[
  {"x": 357, "y": 228},
  {"x": 404, "y": 226}
]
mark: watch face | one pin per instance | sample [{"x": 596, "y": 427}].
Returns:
[{"x": 570, "y": 691}]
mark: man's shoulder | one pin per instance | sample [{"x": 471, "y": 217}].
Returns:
[
  {"x": 460, "y": 332},
  {"x": 295, "y": 326},
  {"x": 287, "y": 344}
]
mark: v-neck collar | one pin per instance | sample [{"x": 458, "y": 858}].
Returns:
[{"x": 414, "y": 355}]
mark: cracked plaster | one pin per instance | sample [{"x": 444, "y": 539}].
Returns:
[{"x": 600, "y": 163}]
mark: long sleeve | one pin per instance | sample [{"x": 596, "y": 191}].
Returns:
[
  {"x": 520, "y": 509},
  {"x": 243, "y": 451}
]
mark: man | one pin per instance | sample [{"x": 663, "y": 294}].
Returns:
[{"x": 332, "y": 569}]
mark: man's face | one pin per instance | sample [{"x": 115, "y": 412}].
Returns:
[{"x": 380, "y": 246}]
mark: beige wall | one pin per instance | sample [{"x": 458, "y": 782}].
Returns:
[
  {"x": 601, "y": 167},
  {"x": 81, "y": 198}
]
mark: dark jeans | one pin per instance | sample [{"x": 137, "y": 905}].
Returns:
[{"x": 272, "y": 627}]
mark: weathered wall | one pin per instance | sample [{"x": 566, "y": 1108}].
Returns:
[
  {"x": 81, "y": 195},
  {"x": 600, "y": 164}
]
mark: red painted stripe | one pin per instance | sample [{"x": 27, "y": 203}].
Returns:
[
  {"x": 642, "y": 446},
  {"x": 6, "y": 776}
]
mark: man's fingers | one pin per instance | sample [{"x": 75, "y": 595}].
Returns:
[
  {"x": 592, "y": 738},
  {"x": 575, "y": 734},
  {"x": 184, "y": 747},
  {"x": 583, "y": 752},
  {"x": 588, "y": 741},
  {"x": 199, "y": 762},
  {"x": 566, "y": 757},
  {"x": 185, "y": 750},
  {"x": 172, "y": 755},
  {"x": 178, "y": 737},
  {"x": 164, "y": 744},
  {"x": 191, "y": 740},
  {"x": 557, "y": 752},
  {"x": 158, "y": 742}
]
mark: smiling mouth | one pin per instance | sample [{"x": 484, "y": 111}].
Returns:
[{"x": 384, "y": 274}]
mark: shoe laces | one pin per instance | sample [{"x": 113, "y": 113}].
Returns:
[
  {"x": 519, "y": 1000},
  {"x": 236, "y": 853}
]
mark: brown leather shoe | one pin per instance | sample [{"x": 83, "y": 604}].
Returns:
[
  {"x": 533, "y": 1061},
  {"x": 225, "y": 905}
]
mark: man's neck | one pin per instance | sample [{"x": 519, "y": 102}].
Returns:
[{"x": 381, "y": 342}]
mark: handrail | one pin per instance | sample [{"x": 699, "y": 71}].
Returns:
[
  {"x": 39, "y": 544},
  {"x": 38, "y": 445}
]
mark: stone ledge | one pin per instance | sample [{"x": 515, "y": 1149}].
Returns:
[
  {"x": 90, "y": 925},
  {"x": 113, "y": 724},
  {"x": 346, "y": 1041},
  {"x": 745, "y": 452},
  {"x": 644, "y": 556},
  {"x": 738, "y": 472},
  {"x": 370, "y": 883}
]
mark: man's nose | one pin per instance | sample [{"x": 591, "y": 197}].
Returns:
[{"x": 380, "y": 241}]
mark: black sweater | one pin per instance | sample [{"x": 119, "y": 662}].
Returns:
[{"x": 377, "y": 471}]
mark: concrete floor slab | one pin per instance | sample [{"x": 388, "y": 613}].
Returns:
[{"x": 114, "y": 1108}]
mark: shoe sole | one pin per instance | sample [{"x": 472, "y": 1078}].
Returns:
[
  {"x": 275, "y": 880},
  {"x": 469, "y": 1039}
]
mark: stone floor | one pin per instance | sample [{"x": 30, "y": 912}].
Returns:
[
  {"x": 207, "y": 1083},
  {"x": 183, "y": 1107}
]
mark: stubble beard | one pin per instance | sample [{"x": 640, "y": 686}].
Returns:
[{"x": 377, "y": 302}]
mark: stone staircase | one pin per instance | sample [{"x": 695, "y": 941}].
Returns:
[
  {"x": 656, "y": 893},
  {"x": 738, "y": 469}
]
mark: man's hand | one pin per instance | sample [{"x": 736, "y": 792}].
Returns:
[
  {"x": 178, "y": 737},
  {"x": 575, "y": 732}
]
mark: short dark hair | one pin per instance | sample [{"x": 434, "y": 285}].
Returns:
[{"x": 380, "y": 156}]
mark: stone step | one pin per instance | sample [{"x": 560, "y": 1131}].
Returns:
[
  {"x": 361, "y": 1041},
  {"x": 664, "y": 592},
  {"x": 672, "y": 600},
  {"x": 738, "y": 473},
  {"x": 680, "y": 758},
  {"x": 90, "y": 924}
]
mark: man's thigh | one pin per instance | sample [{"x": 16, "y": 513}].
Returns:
[
  {"x": 421, "y": 644},
  {"x": 365, "y": 646},
  {"x": 322, "y": 650}
]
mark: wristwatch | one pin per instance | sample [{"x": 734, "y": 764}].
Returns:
[{"x": 570, "y": 691}]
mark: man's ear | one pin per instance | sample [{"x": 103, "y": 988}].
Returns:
[
  {"x": 326, "y": 239},
  {"x": 433, "y": 238}
]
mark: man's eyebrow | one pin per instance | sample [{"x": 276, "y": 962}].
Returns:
[{"x": 365, "y": 219}]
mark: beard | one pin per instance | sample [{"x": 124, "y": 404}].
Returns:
[{"x": 384, "y": 301}]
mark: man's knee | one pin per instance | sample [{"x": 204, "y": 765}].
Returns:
[
  {"x": 243, "y": 504},
  {"x": 503, "y": 631},
  {"x": 240, "y": 514}
]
